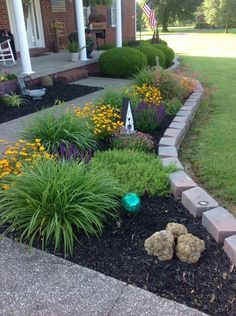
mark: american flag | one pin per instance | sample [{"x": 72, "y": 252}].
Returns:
[{"x": 150, "y": 13}]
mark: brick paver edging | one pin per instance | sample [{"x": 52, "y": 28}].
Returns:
[{"x": 217, "y": 220}]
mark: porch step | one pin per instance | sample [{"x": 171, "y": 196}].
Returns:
[{"x": 72, "y": 75}]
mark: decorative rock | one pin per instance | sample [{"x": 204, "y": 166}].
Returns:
[
  {"x": 189, "y": 248},
  {"x": 46, "y": 81},
  {"x": 177, "y": 229},
  {"x": 161, "y": 245}
]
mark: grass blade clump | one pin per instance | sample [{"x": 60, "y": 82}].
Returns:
[
  {"x": 53, "y": 200},
  {"x": 64, "y": 128},
  {"x": 137, "y": 172}
]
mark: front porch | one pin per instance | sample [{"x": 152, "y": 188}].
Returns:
[{"x": 51, "y": 63}]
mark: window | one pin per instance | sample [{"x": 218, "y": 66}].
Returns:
[
  {"x": 87, "y": 12},
  {"x": 113, "y": 14},
  {"x": 58, "y": 5}
]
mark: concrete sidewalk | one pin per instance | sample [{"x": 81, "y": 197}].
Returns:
[{"x": 34, "y": 283}]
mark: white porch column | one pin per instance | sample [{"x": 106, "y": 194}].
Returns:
[
  {"x": 22, "y": 37},
  {"x": 81, "y": 28},
  {"x": 118, "y": 24}
]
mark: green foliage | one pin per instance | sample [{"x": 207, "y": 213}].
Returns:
[
  {"x": 170, "y": 86},
  {"x": 64, "y": 128},
  {"x": 122, "y": 62},
  {"x": 137, "y": 172},
  {"x": 53, "y": 200},
  {"x": 112, "y": 96},
  {"x": 73, "y": 47},
  {"x": 220, "y": 12},
  {"x": 173, "y": 106},
  {"x": 168, "y": 52},
  {"x": 97, "y": 2},
  {"x": 152, "y": 52},
  {"x": 146, "y": 75},
  {"x": 13, "y": 100},
  {"x": 136, "y": 141}
]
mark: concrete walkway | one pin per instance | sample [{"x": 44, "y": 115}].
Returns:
[{"x": 34, "y": 283}]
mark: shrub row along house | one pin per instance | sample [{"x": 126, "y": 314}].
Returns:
[{"x": 44, "y": 25}]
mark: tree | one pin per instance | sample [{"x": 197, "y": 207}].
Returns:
[
  {"x": 174, "y": 9},
  {"x": 220, "y": 12}
]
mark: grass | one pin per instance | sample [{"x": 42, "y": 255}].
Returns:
[{"x": 210, "y": 149}]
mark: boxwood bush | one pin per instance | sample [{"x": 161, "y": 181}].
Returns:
[
  {"x": 122, "y": 62},
  {"x": 151, "y": 53},
  {"x": 168, "y": 52},
  {"x": 52, "y": 200},
  {"x": 137, "y": 172}
]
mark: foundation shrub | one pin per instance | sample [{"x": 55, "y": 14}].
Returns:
[
  {"x": 168, "y": 52},
  {"x": 151, "y": 53},
  {"x": 136, "y": 172},
  {"x": 53, "y": 200},
  {"x": 122, "y": 62}
]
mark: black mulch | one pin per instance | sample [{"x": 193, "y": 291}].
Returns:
[
  {"x": 58, "y": 92},
  {"x": 209, "y": 285}
]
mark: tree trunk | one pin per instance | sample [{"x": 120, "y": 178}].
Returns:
[
  {"x": 165, "y": 22},
  {"x": 226, "y": 28}
]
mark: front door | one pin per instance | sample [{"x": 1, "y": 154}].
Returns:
[{"x": 33, "y": 23}]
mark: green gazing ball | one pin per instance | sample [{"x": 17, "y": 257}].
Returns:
[{"x": 131, "y": 202}]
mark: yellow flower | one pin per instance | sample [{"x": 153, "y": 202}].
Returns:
[{"x": 6, "y": 187}]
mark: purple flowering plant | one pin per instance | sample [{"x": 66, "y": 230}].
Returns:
[
  {"x": 71, "y": 152},
  {"x": 148, "y": 117}
]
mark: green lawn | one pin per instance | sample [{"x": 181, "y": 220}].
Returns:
[{"x": 210, "y": 149}]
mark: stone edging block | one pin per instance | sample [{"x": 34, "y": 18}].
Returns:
[
  {"x": 230, "y": 248},
  {"x": 167, "y": 151},
  {"x": 218, "y": 221}
]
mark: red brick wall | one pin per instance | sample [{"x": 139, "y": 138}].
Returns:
[{"x": 4, "y": 21}]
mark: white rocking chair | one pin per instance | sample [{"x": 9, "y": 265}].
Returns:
[{"x": 6, "y": 53}]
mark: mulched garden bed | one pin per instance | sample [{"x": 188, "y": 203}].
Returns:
[
  {"x": 209, "y": 285},
  {"x": 58, "y": 92}
]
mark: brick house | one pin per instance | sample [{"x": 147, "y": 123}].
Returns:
[{"x": 41, "y": 15}]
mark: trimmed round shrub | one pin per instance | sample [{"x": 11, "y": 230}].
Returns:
[
  {"x": 122, "y": 62},
  {"x": 137, "y": 172},
  {"x": 53, "y": 200},
  {"x": 168, "y": 52},
  {"x": 151, "y": 53},
  {"x": 64, "y": 128},
  {"x": 107, "y": 46}
]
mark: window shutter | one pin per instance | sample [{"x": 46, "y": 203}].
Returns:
[{"x": 109, "y": 16}]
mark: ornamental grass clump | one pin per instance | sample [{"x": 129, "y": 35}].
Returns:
[
  {"x": 137, "y": 172},
  {"x": 148, "y": 117},
  {"x": 17, "y": 154},
  {"x": 137, "y": 141},
  {"x": 64, "y": 128},
  {"x": 53, "y": 200},
  {"x": 103, "y": 118}
]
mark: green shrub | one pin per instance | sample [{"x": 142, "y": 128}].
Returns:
[
  {"x": 151, "y": 53},
  {"x": 53, "y": 200},
  {"x": 137, "y": 141},
  {"x": 122, "y": 62},
  {"x": 169, "y": 85},
  {"x": 168, "y": 52},
  {"x": 64, "y": 128},
  {"x": 173, "y": 106},
  {"x": 137, "y": 172}
]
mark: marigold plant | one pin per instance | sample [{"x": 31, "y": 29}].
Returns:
[
  {"x": 16, "y": 154},
  {"x": 148, "y": 93},
  {"x": 104, "y": 118}
]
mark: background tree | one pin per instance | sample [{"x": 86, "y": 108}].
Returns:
[
  {"x": 168, "y": 10},
  {"x": 220, "y": 12}
]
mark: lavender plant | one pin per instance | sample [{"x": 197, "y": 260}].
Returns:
[
  {"x": 71, "y": 152},
  {"x": 148, "y": 117}
]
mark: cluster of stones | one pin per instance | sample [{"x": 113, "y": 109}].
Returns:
[
  {"x": 188, "y": 248},
  {"x": 217, "y": 220}
]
